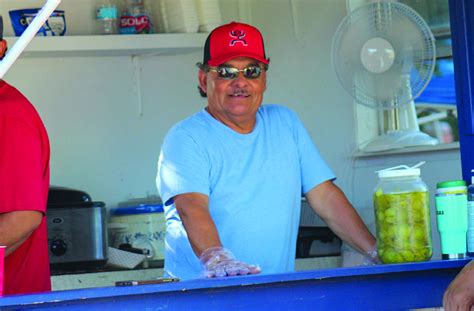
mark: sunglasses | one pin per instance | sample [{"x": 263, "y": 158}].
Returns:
[{"x": 231, "y": 73}]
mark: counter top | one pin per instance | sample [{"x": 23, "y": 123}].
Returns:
[
  {"x": 381, "y": 287},
  {"x": 108, "y": 278}
]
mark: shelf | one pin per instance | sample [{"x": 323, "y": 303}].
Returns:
[
  {"x": 113, "y": 45},
  {"x": 414, "y": 149}
]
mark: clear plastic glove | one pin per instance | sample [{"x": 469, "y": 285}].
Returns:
[
  {"x": 371, "y": 257},
  {"x": 220, "y": 262}
]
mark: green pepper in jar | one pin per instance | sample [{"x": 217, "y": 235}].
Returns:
[{"x": 403, "y": 227}]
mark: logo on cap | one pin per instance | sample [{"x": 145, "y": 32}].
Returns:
[{"x": 237, "y": 37}]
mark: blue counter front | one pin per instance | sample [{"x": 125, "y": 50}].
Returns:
[{"x": 383, "y": 287}]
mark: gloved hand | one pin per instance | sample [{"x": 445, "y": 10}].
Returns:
[
  {"x": 220, "y": 262},
  {"x": 371, "y": 257}
]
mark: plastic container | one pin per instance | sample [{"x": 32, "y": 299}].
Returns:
[
  {"x": 451, "y": 217},
  {"x": 402, "y": 216},
  {"x": 107, "y": 18},
  {"x": 470, "y": 217},
  {"x": 142, "y": 227},
  {"x": 55, "y": 25},
  {"x": 451, "y": 187},
  {"x": 135, "y": 18}
]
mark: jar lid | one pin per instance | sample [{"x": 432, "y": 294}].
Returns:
[
  {"x": 451, "y": 183},
  {"x": 399, "y": 173}
]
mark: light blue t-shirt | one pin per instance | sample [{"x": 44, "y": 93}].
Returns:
[{"x": 254, "y": 182}]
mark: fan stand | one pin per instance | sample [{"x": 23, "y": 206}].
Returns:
[
  {"x": 399, "y": 139},
  {"x": 403, "y": 131}
]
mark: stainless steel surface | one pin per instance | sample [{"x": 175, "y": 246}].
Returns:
[
  {"x": 453, "y": 256},
  {"x": 77, "y": 234}
]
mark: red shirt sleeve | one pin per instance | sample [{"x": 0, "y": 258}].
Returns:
[{"x": 21, "y": 168}]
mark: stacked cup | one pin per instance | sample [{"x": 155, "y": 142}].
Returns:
[
  {"x": 209, "y": 14},
  {"x": 451, "y": 216},
  {"x": 179, "y": 16}
]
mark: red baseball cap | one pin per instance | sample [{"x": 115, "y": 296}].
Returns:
[{"x": 234, "y": 40}]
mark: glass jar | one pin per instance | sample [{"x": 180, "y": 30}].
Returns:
[{"x": 402, "y": 216}]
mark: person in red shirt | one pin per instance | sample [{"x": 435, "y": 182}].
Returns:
[{"x": 24, "y": 185}]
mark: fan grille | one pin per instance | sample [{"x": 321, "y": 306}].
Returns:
[{"x": 414, "y": 54}]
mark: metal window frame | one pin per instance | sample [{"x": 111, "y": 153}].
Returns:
[{"x": 462, "y": 32}]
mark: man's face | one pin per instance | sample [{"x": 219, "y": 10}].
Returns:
[{"x": 234, "y": 102}]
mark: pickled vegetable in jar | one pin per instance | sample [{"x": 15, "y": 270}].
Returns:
[{"x": 402, "y": 216}]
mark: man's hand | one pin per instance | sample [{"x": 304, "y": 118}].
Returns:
[
  {"x": 220, "y": 262},
  {"x": 371, "y": 257},
  {"x": 460, "y": 294},
  {"x": 204, "y": 239}
]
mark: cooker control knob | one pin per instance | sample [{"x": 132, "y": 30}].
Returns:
[{"x": 58, "y": 247}]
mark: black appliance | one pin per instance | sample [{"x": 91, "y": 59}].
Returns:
[{"x": 315, "y": 238}]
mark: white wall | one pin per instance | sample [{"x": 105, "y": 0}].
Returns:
[
  {"x": 89, "y": 105},
  {"x": 101, "y": 145}
]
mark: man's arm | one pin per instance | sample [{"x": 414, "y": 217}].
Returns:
[
  {"x": 330, "y": 203},
  {"x": 16, "y": 227},
  {"x": 460, "y": 293},
  {"x": 193, "y": 208},
  {"x": 194, "y": 212}
]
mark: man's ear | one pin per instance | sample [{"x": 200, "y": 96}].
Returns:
[
  {"x": 3, "y": 48},
  {"x": 202, "y": 76}
]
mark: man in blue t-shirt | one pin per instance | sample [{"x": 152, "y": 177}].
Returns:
[{"x": 232, "y": 175}]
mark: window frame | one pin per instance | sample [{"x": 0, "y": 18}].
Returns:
[
  {"x": 462, "y": 31},
  {"x": 369, "y": 122}
]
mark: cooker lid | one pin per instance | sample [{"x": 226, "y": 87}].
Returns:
[
  {"x": 76, "y": 205},
  {"x": 59, "y": 194},
  {"x": 63, "y": 197}
]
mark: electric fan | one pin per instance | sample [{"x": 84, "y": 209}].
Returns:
[{"x": 384, "y": 56}]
